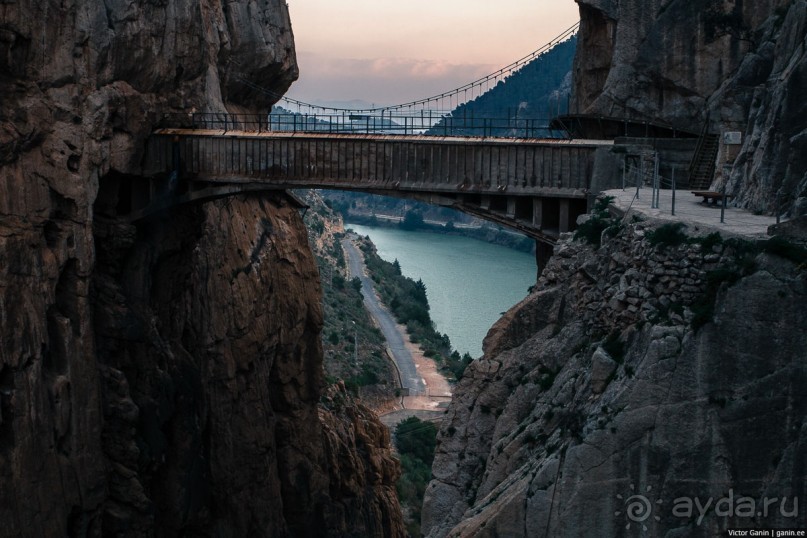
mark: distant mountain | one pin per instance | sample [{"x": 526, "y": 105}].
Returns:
[{"x": 538, "y": 92}]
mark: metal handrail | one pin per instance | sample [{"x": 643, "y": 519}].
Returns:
[{"x": 423, "y": 124}]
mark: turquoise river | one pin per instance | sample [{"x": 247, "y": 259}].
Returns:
[{"x": 469, "y": 283}]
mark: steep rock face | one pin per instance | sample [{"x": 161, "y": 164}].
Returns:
[
  {"x": 364, "y": 499},
  {"x": 212, "y": 363},
  {"x": 741, "y": 64},
  {"x": 165, "y": 375},
  {"x": 597, "y": 387}
]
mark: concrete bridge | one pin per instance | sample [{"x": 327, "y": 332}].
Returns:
[{"x": 537, "y": 186}]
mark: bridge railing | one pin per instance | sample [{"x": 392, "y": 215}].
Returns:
[
  {"x": 215, "y": 121},
  {"x": 423, "y": 123}
]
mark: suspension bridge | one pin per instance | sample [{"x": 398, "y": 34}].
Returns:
[{"x": 524, "y": 172}]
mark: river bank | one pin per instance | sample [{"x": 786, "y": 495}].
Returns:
[
  {"x": 481, "y": 231},
  {"x": 427, "y": 389}
]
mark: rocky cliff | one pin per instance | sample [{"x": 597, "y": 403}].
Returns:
[
  {"x": 651, "y": 385},
  {"x": 738, "y": 66},
  {"x": 165, "y": 377},
  {"x": 637, "y": 380}
]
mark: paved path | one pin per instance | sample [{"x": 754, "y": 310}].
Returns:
[
  {"x": 395, "y": 341},
  {"x": 690, "y": 210}
]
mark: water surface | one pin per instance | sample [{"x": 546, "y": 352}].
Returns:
[{"x": 469, "y": 283}]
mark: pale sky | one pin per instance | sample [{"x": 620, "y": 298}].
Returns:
[{"x": 388, "y": 52}]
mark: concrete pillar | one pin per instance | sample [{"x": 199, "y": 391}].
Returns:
[
  {"x": 537, "y": 212},
  {"x": 511, "y": 207},
  {"x": 563, "y": 225}
]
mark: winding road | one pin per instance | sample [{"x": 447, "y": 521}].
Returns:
[{"x": 410, "y": 377}]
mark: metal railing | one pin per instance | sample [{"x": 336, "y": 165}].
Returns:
[{"x": 423, "y": 123}]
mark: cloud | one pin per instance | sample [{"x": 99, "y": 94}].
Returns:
[
  {"x": 317, "y": 65},
  {"x": 380, "y": 80}
]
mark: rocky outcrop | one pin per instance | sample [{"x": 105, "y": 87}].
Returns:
[
  {"x": 358, "y": 459},
  {"x": 163, "y": 377},
  {"x": 738, "y": 65},
  {"x": 209, "y": 340},
  {"x": 634, "y": 379}
]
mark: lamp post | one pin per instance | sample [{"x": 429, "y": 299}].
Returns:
[{"x": 355, "y": 344}]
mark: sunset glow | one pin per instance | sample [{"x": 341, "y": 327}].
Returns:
[{"x": 386, "y": 52}]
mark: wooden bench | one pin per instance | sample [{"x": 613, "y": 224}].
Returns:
[{"x": 712, "y": 197}]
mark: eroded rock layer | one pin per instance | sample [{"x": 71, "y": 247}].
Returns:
[{"x": 164, "y": 377}]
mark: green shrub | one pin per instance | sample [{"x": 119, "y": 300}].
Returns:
[
  {"x": 667, "y": 235},
  {"x": 317, "y": 226},
  {"x": 547, "y": 378},
  {"x": 416, "y": 441},
  {"x": 338, "y": 281},
  {"x": 416, "y": 438},
  {"x": 709, "y": 241},
  {"x": 366, "y": 377},
  {"x": 600, "y": 220},
  {"x": 411, "y": 487},
  {"x": 742, "y": 248},
  {"x": 413, "y": 220},
  {"x": 457, "y": 364}
]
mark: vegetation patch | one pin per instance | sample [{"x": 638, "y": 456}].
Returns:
[
  {"x": 547, "y": 377},
  {"x": 367, "y": 376},
  {"x": 668, "y": 235},
  {"x": 598, "y": 223},
  {"x": 708, "y": 242},
  {"x": 407, "y": 300},
  {"x": 416, "y": 441},
  {"x": 362, "y": 365}
]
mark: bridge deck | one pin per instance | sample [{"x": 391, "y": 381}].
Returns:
[
  {"x": 537, "y": 186},
  {"x": 519, "y": 167}
]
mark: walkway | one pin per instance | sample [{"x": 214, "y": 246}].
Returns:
[
  {"x": 691, "y": 210},
  {"x": 538, "y": 187},
  {"x": 403, "y": 358}
]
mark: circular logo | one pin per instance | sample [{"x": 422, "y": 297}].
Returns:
[{"x": 638, "y": 508}]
